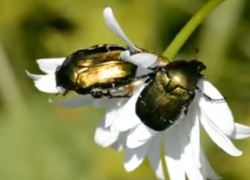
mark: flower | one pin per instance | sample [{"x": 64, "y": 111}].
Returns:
[
  {"x": 182, "y": 149},
  {"x": 122, "y": 130}
]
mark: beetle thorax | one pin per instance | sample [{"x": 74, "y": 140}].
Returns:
[
  {"x": 185, "y": 73},
  {"x": 64, "y": 77}
]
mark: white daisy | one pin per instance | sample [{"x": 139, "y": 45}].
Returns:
[
  {"x": 123, "y": 130},
  {"x": 183, "y": 152}
]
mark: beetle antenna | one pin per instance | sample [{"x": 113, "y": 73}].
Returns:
[{"x": 196, "y": 53}]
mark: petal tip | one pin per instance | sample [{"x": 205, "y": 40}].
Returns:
[
  {"x": 107, "y": 9},
  {"x": 128, "y": 168},
  {"x": 238, "y": 153},
  {"x": 104, "y": 137},
  {"x": 49, "y": 65},
  {"x": 28, "y": 73},
  {"x": 44, "y": 89},
  {"x": 33, "y": 76},
  {"x": 107, "y": 12},
  {"x": 113, "y": 25},
  {"x": 242, "y": 131}
]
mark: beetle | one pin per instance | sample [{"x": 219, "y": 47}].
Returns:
[
  {"x": 96, "y": 70},
  {"x": 170, "y": 90}
]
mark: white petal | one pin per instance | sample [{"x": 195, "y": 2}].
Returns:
[
  {"x": 198, "y": 154},
  {"x": 107, "y": 102},
  {"x": 73, "y": 102},
  {"x": 34, "y": 76},
  {"x": 195, "y": 138},
  {"x": 218, "y": 112},
  {"x": 102, "y": 102},
  {"x": 187, "y": 157},
  {"x": 206, "y": 169},
  {"x": 242, "y": 132},
  {"x": 142, "y": 71},
  {"x": 191, "y": 168},
  {"x": 143, "y": 59},
  {"x": 218, "y": 136},
  {"x": 49, "y": 65},
  {"x": 119, "y": 145},
  {"x": 173, "y": 152},
  {"x": 113, "y": 107},
  {"x": 47, "y": 84},
  {"x": 110, "y": 116},
  {"x": 139, "y": 136},
  {"x": 105, "y": 136},
  {"x": 154, "y": 156},
  {"x": 127, "y": 117},
  {"x": 115, "y": 28},
  {"x": 192, "y": 121},
  {"x": 134, "y": 157}
]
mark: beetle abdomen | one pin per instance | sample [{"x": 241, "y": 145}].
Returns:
[
  {"x": 96, "y": 68},
  {"x": 106, "y": 75}
]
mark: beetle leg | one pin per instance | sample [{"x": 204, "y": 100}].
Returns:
[
  {"x": 185, "y": 107},
  {"x": 97, "y": 94},
  {"x": 149, "y": 76},
  {"x": 213, "y": 100},
  {"x": 203, "y": 77},
  {"x": 65, "y": 93},
  {"x": 158, "y": 68},
  {"x": 130, "y": 90},
  {"x": 185, "y": 111},
  {"x": 109, "y": 95},
  {"x": 196, "y": 52},
  {"x": 127, "y": 95},
  {"x": 153, "y": 68},
  {"x": 148, "y": 80},
  {"x": 209, "y": 98},
  {"x": 145, "y": 76},
  {"x": 59, "y": 91}
]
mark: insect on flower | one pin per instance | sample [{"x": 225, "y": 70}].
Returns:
[
  {"x": 97, "y": 70},
  {"x": 169, "y": 92},
  {"x": 123, "y": 130}
]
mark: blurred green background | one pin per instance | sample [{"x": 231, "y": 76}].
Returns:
[{"x": 39, "y": 141}]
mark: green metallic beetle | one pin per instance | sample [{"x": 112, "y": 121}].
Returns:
[
  {"x": 96, "y": 70},
  {"x": 170, "y": 90}
]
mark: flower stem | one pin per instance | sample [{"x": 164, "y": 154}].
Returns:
[{"x": 188, "y": 29}]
